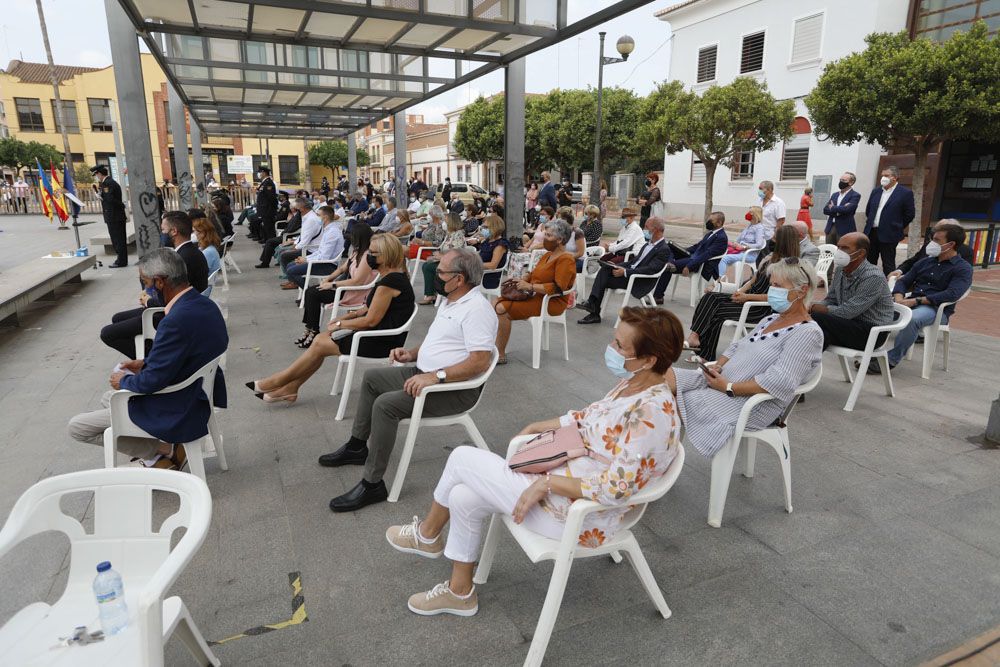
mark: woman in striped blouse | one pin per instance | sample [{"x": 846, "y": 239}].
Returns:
[{"x": 776, "y": 358}]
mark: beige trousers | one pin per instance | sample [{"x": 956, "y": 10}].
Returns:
[{"x": 90, "y": 426}]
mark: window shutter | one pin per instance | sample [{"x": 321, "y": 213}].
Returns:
[
  {"x": 752, "y": 58},
  {"x": 697, "y": 169},
  {"x": 795, "y": 157},
  {"x": 806, "y": 38},
  {"x": 706, "y": 63}
]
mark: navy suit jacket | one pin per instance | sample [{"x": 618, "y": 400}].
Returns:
[
  {"x": 188, "y": 337},
  {"x": 841, "y": 214},
  {"x": 547, "y": 196},
  {"x": 652, "y": 263},
  {"x": 711, "y": 245},
  {"x": 897, "y": 214}
]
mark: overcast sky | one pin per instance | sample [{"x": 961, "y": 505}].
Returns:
[{"x": 78, "y": 33}]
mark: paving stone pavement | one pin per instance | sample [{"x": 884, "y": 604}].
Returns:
[{"x": 891, "y": 555}]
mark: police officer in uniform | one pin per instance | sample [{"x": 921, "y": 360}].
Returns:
[
  {"x": 267, "y": 203},
  {"x": 113, "y": 209}
]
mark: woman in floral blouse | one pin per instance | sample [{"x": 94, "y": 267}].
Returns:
[
  {"x": 454, "y": 239},
  {"x": 633, "y": 432}
]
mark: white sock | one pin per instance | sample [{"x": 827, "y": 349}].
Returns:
[
  {"x": 422, "y": 539},
  {"x": 463, "y": 597}
]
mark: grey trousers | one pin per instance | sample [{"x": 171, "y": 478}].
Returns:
[
  {"x": 90, "y": 426},
  {"x": 384, "y": 403}
]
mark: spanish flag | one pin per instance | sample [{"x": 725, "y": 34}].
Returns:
[
  {"x": 49, "y": 202},
  {"x": 62, "y": 210}
]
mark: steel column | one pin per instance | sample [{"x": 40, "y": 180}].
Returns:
[
  {"x": 399, "y": 155},
  {"x": 513, "y": 154},
  {"x": 199, "y": 168},
  {"x": 135, "y": 127},
  {"x": 352, "y": 163},
  {"x": 178, "y": 130}
]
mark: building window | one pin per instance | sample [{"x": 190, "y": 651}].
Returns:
[
  {"x": 438, "y": 179},
  {"x": 697, "y": 169},
  {"x": 795, "y": 154},
  {"x": 752, "y": 54},
  {"x": 807, "y": 38},
  {"x": 938, "y": 19},
  {"x": 29, "y": 114},
  {"x": 69, "y": 116},
  {"x": 100, "y": 114},
  {"x": 260, "y": 161},
  {"x": 288, "y": 168},
  {"x": 706, "y": 63},
  {"x": 743, "y": 166}
]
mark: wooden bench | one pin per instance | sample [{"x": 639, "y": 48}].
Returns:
[
  {"x": 36, "y": 280},
  {"x": 102, "y": 243}
]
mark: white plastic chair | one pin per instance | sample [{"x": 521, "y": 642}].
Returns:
[
  {"x": 310, "y": 263},
  {"x": 697, "y": 283},
  {"x": 845, "y": 354},
  {"x": 148, "y": 331},
  {"x": 122, "y": 425},
  {"x": 543, "y": 321},
  {"x": 416, "y": 420},
  {"x": 413, "y": 265},
  {"x": 500, "y": 272},
  {"x": 352, "y": 360},
  {"x": 336, "y": 307},
  {"x": 931, "y": 334},
  {"x": 741, "y": 326},
  {"x": 825, "y": 261},
  {"x": 213, "y": 278},
  {"x": 644, "y": 300},
  {"x": 122, "y": 534},
  {"x": 565, "y": 550},
  {"x": 227, "y": 260},
  {"x": 590, "y": 256},
  {"x": 776, "y": 436}
]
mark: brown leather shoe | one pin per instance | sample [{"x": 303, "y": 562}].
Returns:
[
  {"x": 288, "y": 285},
  {"x": 179, "y": 458}
]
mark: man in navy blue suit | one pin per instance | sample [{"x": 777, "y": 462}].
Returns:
[
  {"x": 547, "y": 195},
  {"x": 890, "y": 211},
  {"x": 841, "y": 208},
  {"x": 714, "y": 243},
  {"x": 191, "y": 334}
]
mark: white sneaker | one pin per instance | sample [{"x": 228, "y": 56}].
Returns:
[
  {"x": 440, "y": 600},
  {"x": 404, "y": 538}
]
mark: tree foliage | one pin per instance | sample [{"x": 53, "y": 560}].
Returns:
[
  {"x": 19, "y": 154},
  {"x": 480, "y": 131},
  {"x": 82, "y": 175},
  {"x": 716, "y": 126},
  {"x": 909, "y": 95},
  {"x": 332, "y": 154}
]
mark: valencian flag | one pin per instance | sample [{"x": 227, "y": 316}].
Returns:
[{"x": 49, "y": 202}]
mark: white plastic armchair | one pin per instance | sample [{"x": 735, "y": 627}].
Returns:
[
  {"x": 825, "y": 261},
  {"x": 352, "y": 359},
  {"x": 741, "y": 326},
  {"x": 227, "y": 260},
  {"x": 213, "y": 278},
  {"x": 697, "y": 283},
  {"x": 413, "y": 265},
  {"x": 416, "y": 420},
  {"x": 881, "y": 353},
  {"x": 148, "y": 331},
  {"x": 541, "y": 322},
  {"x": 123, "y": 426},
  {"x": 342, "y": 292},
  {"x": 644, "y": 300},
  {"x": 500, "y": 272},
  {"x": 775, "y": 435},
  {"x": 932, "y": 332},
  {"x": 590, "y": 256},
  {"x": 566, "y": 549},
  {"x": 122, "y": 534},
  {"x": 310, "y": 263}
]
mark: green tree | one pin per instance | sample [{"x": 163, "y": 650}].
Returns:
[
  {"x": 19, "y": 154},
  {"x": 82, "y": 175},
  {"x": 332, "y": 154},
  {"x": 909, "y": 95},
  {"x": 480, "y": 130},
  {"x": 716, "y": 126}
]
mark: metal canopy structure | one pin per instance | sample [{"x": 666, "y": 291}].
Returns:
[{"x": 321, "y": 68}]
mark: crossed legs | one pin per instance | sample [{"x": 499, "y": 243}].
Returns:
[{"x": 287, "y": 382}]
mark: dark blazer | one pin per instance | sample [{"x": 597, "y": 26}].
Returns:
[
  {"x": 711, "y": 245},
  {"x": 896, "y": 216},
  {"x": 652, "y": 263},
  {"x": 197, "y": 266},
  {"x": 187, "y": 338},
  {"x": 547, "y": 196},
  {"x": 841, "y": 214}
]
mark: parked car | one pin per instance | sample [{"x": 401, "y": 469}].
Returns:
[{"x": 465, "y": 191}]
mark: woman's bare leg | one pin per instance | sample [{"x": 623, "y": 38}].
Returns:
[
  {"x": 302, "y": 368},
  {"x": 503, "y": 329}
]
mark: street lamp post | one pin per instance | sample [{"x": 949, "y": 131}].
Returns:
[{"x": 625, "y": 46}]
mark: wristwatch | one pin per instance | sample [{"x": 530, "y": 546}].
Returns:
[
  {"x": 441, "y": 376},
  {"x": 729, "y": 390}
]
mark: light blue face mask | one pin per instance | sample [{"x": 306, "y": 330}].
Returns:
[
  {"x": 760, "y": 193},
  {"x": 615, "y": 361},
  {"x": 777, "y": 298},
  {"x": 543, "y": 218},
  {"x": 647, "y": 234},
  {"x": 485, "y": 232}
]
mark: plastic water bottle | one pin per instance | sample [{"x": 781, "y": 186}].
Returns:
[{"x": 110, "y": 594}]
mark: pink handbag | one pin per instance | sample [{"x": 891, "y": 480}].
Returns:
[{"x": 550, "y": 450}]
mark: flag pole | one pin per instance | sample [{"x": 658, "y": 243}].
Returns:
[{"x": 60, "y": 120}]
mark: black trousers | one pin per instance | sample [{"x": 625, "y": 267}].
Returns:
[
  {"x": 315, "y": 300},
  {"x": 125, "y": 326},
  {"x": 712, "y": 311},
  {"x": 268, "y": 252},
  {"x": 604, "y": 281},
  {"x": 116, "y": 230},
  {"x": 887, "y": 251},
  {"x": 845, "y": 333},
  {"x": 267, "y": 226},
  {"x": 254, "y": 227}
]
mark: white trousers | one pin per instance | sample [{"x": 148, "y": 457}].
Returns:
[{"x": 476, "y": 484}]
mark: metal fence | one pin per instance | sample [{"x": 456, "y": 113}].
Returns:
[{"x": 32, "y": 203}]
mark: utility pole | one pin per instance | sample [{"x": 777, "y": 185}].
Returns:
[
  {"x": 67, "y": 154},
  {"x": 625, "y": 46}
]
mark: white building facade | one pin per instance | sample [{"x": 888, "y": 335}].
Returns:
[{"x": 786, "y": 44}]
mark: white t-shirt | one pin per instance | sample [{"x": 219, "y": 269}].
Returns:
[
  {"x": 881, "y": 204},
  {"x": 773, "y": 211},
  {"x": 460, "y": 327}
]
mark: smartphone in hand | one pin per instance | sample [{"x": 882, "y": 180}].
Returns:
[{"x": 703, "y": 366}]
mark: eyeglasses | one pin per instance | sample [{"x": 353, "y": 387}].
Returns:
[{"x": 441, "y": 272}]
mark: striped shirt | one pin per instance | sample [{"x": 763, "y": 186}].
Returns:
[{"x": 862, "y": 295}]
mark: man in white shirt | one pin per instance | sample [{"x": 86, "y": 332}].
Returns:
[
  {"x": 312, "y": 226},
  {"x": 773, "y": 209},
  {"x": 330, "y": 246},
  {"x": 630, "y": 237},
  {"x": 458, "y": 346}
]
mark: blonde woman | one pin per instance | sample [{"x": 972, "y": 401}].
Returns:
[
  {"x": 454, "y": 239},
  {"x": 405, "y": 226},
  {"x": 388, "y": 306},
  {"x": 750, "y": 242},
  {"x": 592, "y": 225}
]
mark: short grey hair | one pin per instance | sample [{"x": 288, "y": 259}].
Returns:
[
  {"x": 797, "y": 273},
  {"x": 767, "y": 185},
  {"x": 467, "y": 262},
  {"x": 656, "y": 223},
  {"x": 164, "y": 263},
  {"x": 894, "y": 170},
  {"x": 436, "y": 212},
  {"x": 304, "y": 202},
  {"x": 391, "y": 200},
  {"x": 854, "y": 179},
  {"x": 560, "y": 228}
]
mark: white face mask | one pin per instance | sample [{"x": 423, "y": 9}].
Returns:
[
  {"x": 885, "y": 181},
  {"x": 841, "y": 258},
  {"x": 933, "y": 249},
  {"x": 194, "y": 237}
]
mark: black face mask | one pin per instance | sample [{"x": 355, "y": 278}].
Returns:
[
  {"x": 709, "y": 226},
  {"x": 372, "y": 262},
  {"x": 166, "y": 241},
  {"x": 648, "y": 182},
  {"x": 440, "y": 286},
  {"x": 843, "y": 185}
]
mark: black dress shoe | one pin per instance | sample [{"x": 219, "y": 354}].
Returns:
[
  {"x": 262, "y": 265},
  {"x": 593, "y": 318},
  {"x": 116, "y": 265},
  {"x": 587, "y": 305},
  {"x": 360, "y": 496},
  {"x": 344, "y": 457},
  {"x": 658, "y": 300}
]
